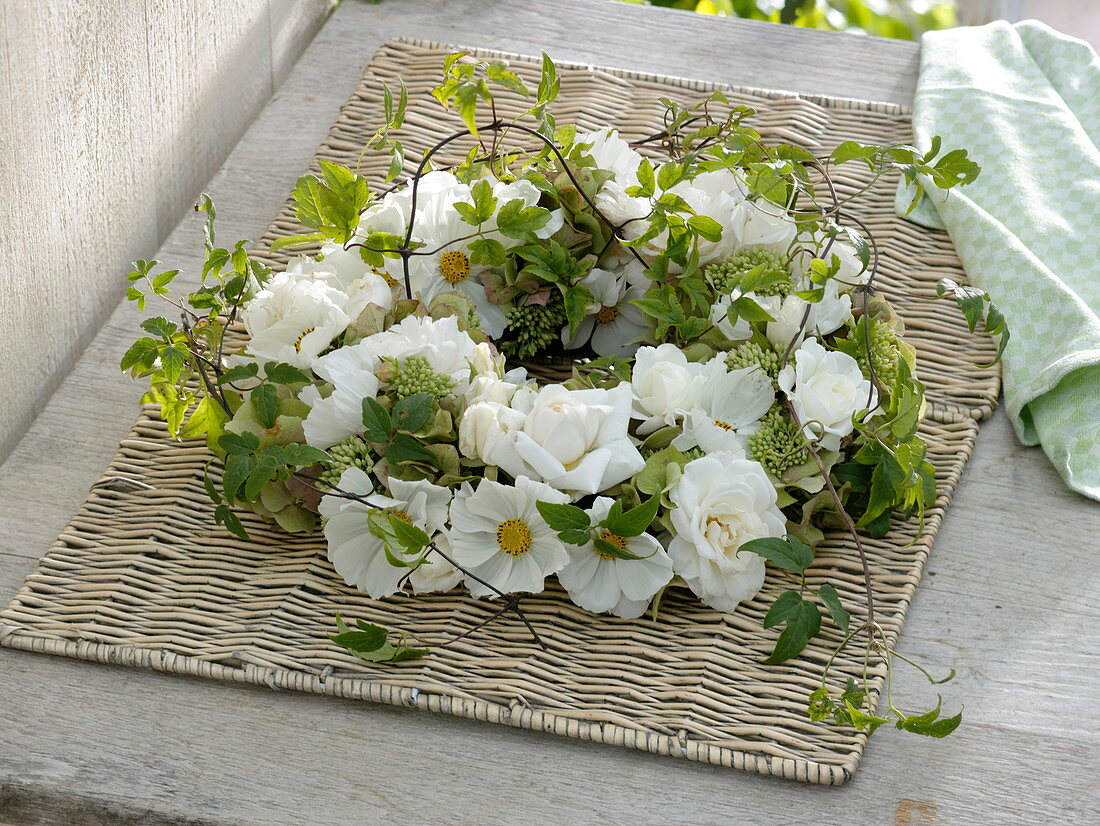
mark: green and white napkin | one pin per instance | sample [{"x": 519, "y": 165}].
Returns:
[{"x": 1025, "y": 101}]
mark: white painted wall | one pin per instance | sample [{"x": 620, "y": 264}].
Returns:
[{"x": 113, "y": 115}]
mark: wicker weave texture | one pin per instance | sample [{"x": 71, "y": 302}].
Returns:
[{"x": 143, "y": 577}]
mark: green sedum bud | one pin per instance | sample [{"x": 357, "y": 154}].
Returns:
[
  {"x": 751, "y": 354},
  {"x": 415, "y": 375},
  {"x": 533, "y": 327},
  {"x": 885, "y": 351},
  {"x": 353, "y": 452},
  {"x": 726, "y": 276},
  {"x": 777, "y": 444}
]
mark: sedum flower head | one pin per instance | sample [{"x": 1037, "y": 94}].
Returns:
[
  {"x": 416, "y": 375},
  {"x": 884, "y": 351},
  {"x": 777, "y": 444},
  {"x": 726, "y": 276},
  {"x": 533, "y": 327},
  {"x": 751, "y": 354},
  {"x": 353, "y": 452}
]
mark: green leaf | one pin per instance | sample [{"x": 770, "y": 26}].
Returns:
[
  {"x": 376, "y": 420},
  {"x": 412, "y": 539},
  {"x": 707, "y": 227},
  {"x": 820, "y": 705},
  {"x": 173, "y": 360},
  {"x": 239, "y": 442},
  {"x": 862, "y": 721},
  {"x": 749, "y": 310},
  {"x": 299, "y": 455},
  {"x": 790, "y": 554},
  {"x": 803, "y": 622},
  {"x": 577, "y": 300},
  {"x": 240, "y": 372},
  {"x": 368, "y": 638},
  {"x": 238, "y": 467},
  {"x": 141, "y": 356},
  {"x": 831, "y": 600},
  {"x": 207, "y": 419},
  {"x": 296, "y": 240},
  {"x": 635, "y": 521},
  {"x": 284, "y": 374},
  {"x": 265, "y": 399},
  {"x": 608, "y": 549},
  {"x": 564, "y": 517},
  {"x": 411, "y": 413},
  {"x": 646, "y": 182},
  {"x": 575, "y": 536},
  {"x": 371, "y": 643},
  {"x": 223, "y": 515},
  {"x": 404, "y": 448},
  {"x": 162, "y": 280},
  {"x": 517, "y": 220},
  {"x": 206, "y": 205},
  {"x": 930, "y": 728},
  {"x": 782, "y": 609},
  {"x": 487, "y": 251}
]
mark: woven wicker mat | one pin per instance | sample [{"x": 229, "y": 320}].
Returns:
[{"x": 143, "y": 577}]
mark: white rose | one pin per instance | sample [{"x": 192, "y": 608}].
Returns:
[
  {"x": 575, "y": 440},
  {"x": 664, "y": 386},
  {"x": 294, "y": 318},
  {"x": 827, "y": 389},
  {"x": 484, "y": 361},
  {"x": 741, "y": 330},
  {"x": 488, "y": 388},
  {"x": 826, "y": 316},
  {"x": 722, "y": 502},
  {"x": 578, "y": 440},
  {"x": 484, "y": 433}
]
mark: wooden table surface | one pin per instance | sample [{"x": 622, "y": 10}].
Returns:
[{"x": 1010, "y": 598}]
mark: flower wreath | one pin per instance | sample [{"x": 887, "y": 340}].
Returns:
[{"x": 628, "y": 365}]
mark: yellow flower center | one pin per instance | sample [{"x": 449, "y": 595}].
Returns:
[
  {"x": 514, "y": 537},
  {"x": 389, "y": 279},
  {"x": 723, "y": 425},
  {"x": 613, "y": 538},
  {"x": 298, "y": 341},
  {"x": 606, "y": 314},
  {"x": 454, "y": 266},
  {"x": 402, "y": 515}
]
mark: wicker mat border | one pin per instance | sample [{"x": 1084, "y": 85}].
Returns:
[{"x": 142, "y": 577}]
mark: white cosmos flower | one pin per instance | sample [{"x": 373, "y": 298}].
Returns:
[
  {"x": 357, "y": 554},
  {"x": 498, "y": 536},
  {"x": 599, "y": 583},
  {"x": 349, "y": 273},
  {"x": 447, "y": 348},
  {"x": 722, "y": 502},
  {"x": 333, "y": 418},
  {"x": 294, "y": 318},
  {"x": 827, "y": 389},
  {"x": 443, "y": 234},
  {"x": 436, "y": 573},
  {"x": 664, "y": 385},
  {"x": 576, "y": 440},
  {"x": 728, "y": 406},
  {"x": 612, "y": 323}
]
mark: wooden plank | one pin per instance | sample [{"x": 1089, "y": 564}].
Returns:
[
  {"x": 113, "y": 114},
  {"x": 120, "y": 745}
]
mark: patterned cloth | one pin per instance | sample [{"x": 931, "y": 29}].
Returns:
[{"x": 1025, "y": 101}]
